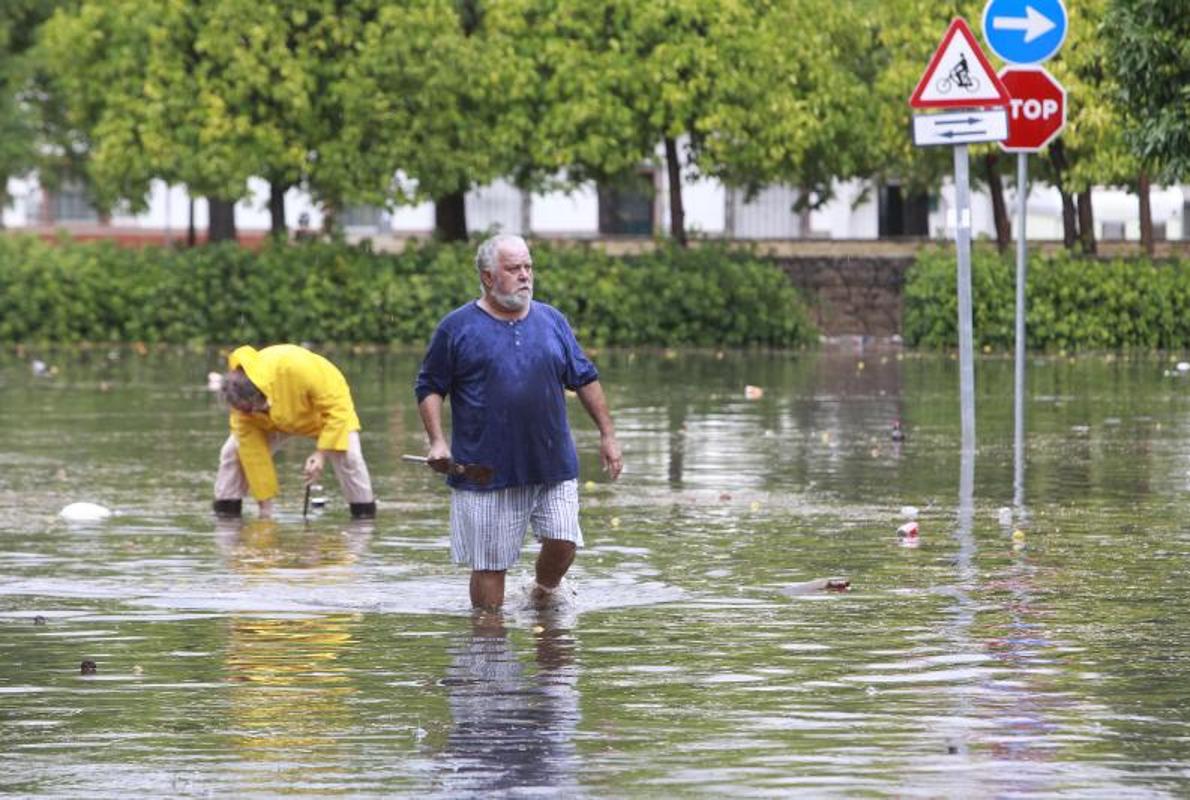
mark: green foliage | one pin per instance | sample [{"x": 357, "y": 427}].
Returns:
[
  {"x": 758, "y": 93},
  {"x": 19, "y": 22},
  {"x": 1149, "y": 46},
  {"x": 332, "y": 293},
  {"x": 1072, "y": 303}
]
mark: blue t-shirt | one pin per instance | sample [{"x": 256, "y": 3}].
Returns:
[{"x": 505, "y": 380}]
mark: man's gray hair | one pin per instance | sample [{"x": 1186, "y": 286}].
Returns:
[
  {"x": 489, "y": 249},
  {"x": 239, "y": 391}
]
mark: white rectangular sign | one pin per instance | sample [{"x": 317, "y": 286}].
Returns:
[{"x": 960, "y": 127}]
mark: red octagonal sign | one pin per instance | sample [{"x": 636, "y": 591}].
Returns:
[{"x": 1037, "y": 110}]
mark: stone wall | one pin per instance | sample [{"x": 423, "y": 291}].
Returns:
[{"x": 856, "y": 295}]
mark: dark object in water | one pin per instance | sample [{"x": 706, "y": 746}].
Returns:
[
  {"x": 88, "y": 667},
  {"x": 898, "y": 434},
  {"x": 39, "y": 620},
  {"x": 817, "y": 585}
]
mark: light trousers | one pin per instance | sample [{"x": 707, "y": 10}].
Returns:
[{"x": 350, "y": 469}]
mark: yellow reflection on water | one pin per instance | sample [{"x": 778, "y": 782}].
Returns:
[{"x": 291, "y": 701}]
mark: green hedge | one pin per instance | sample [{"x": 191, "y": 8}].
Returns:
[
  {"x": 321, "y": 292},
  {"x": 1072, "y": 303}
]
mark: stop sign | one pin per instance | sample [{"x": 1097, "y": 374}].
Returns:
[{"x": 1036, "y": 110}]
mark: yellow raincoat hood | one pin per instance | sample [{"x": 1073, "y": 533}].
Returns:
[{"x": 308, "y": 396}]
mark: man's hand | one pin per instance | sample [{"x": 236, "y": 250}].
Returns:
[
  {"x": 313, "y": 468},
  {"x": 438, "y": 457},
  {"x": 609, "y": 454}
]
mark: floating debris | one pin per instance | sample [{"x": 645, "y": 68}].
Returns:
[
  {"x": 88, "y": 667},
  {"x": 907, "y": 534},
  {"x": 835, "y": 584},
  {"x": 85, "y": 512},
  {"x": 317, "y": 498},
  {"x": 753, "y": 392}
]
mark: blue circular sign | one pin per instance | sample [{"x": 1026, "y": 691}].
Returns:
[{"x": 1024, "y": 31}]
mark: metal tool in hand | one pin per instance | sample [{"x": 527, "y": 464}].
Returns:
[
  {"x": 477, "y": 473},
  {"x": 306, "y": 503}
]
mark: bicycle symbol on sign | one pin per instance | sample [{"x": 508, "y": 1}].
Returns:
[{"x": 959, "y": 76}]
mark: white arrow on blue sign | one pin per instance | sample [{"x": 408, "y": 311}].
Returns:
[{"x": 1024, "y": 31}]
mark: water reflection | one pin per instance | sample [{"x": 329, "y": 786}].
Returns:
[
  {"x": 236, "y": 662},
  {"x": 291, "y": 702},
  {"x": 514, "y": 723}
]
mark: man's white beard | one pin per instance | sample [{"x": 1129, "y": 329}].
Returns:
[{"x": 514, "y": 301}]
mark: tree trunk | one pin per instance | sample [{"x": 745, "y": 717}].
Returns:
[
  {"x": 191, "y": 230},
  {"x": 991, "y": 165},
  {"x": 1146, "y": 213},
  {"x": 677, "y": 213},
  {"x": 1069, "y": 221},
  {"x": 1086, "y": 222},
  {"x": 450, "y": 217},
  {"x": 221, "y": 225},
  {"x": 278, "y": 229}
]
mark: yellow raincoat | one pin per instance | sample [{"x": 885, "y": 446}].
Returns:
[{"x": 307, "y": 395}]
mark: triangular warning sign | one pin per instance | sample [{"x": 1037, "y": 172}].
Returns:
[{"x": 959, "y": 74}]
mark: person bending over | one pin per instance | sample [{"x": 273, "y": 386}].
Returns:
[{"x": 281, "y": 392}]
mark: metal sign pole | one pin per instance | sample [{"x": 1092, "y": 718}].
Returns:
[
  {"x": 963, "y": 250},
  {"x": 1022, "y": 267}
]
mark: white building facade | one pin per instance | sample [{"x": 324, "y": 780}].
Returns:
[{"x": 858, "y": 211}]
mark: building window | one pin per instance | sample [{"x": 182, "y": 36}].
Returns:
[
  {"x": 362, "y": 217},
  {"x": 69, "y": 203},
  {"x": 626, "y": 205},
  {"x": 1113, "y": 232},
  {"x": 903, "y": 213}
]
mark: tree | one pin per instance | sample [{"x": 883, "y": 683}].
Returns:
[
  {"x": 207, "y": 94},
  {"x": 19, "y": 23},
  {"x": 1148, "y": 47},
  {"x": 1091, "y": 150},
  {"x": 747, "y": 92},
  {"x": 439, "y": 93}
]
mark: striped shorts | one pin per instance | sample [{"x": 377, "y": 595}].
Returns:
[{"x": 487, "y": 529}]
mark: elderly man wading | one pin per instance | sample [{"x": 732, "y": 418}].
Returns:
[
  {"x": 274, "y": 394},
  {"x": 505, "y": 362}
]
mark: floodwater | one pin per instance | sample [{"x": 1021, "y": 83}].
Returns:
[{"x": 318, "y": 658}]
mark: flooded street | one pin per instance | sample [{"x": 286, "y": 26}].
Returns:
[{"x": 1031, "y": 649}]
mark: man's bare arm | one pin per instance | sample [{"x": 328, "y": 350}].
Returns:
[{"x": 593, "y": 400}]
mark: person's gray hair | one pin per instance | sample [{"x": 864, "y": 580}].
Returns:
[
  {"x": 239, "y": 391},
  {"x": 489, "y": 250}
]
